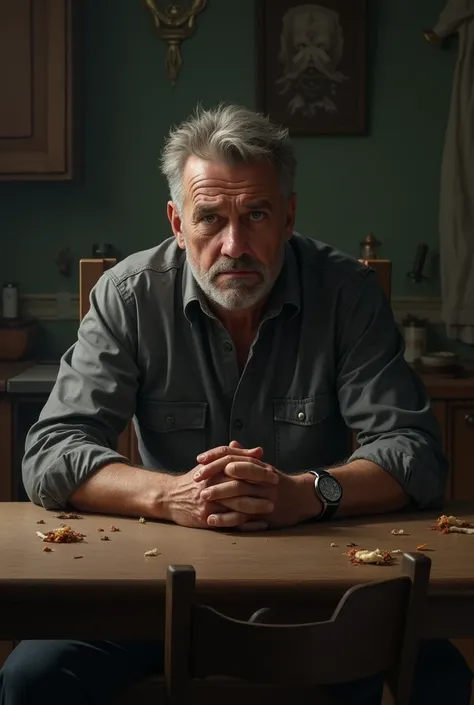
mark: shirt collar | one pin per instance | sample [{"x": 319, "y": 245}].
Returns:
[{"x": 286, "y": 290}]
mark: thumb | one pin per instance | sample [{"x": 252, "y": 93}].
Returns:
[{"x": 252, "y": 451}]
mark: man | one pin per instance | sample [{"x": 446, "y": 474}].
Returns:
[{"x": 236, "y": 328}]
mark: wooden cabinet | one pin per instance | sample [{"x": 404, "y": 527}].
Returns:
[
  {"x": 36, "y": 89},
  {"x": 461, "y": 447}
]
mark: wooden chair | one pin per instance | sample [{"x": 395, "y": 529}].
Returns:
[
  {"x": 373, "y": 630},
  {"x": 383, "y": 267},
  {"x": 90, "y": 271}
]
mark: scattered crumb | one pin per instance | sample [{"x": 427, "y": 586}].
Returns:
[
  {"x": 152, "y": 552},
  {"x": 64, "y": 534},
  {"x": 142, "y": 520},
  {"x": 350, "y": 545},
  {"x": 445, "y": 524},
  {"x": 422, "y": 547},
  {"x": 67, "y": 515},
  {"x": 100, "y": 529},
  {"x": 399, "y": 532},
  {"x": 114, "y": 528},
  {"x": 333, "y": 545},
  {"x": 460, "y": 530},
  {"x": 376, "y": 557},
  {"x": 234, "y": 543},
  {"x": 104, "y": 538},
  {"x": 76, "y": 557},
  {"x": 41, "y": 521},
  {"x": 47, "y": 549}
]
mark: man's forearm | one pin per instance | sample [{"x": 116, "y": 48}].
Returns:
[
  {"x": 367, "y": 489},
  {"x": 123, "y": 489}
]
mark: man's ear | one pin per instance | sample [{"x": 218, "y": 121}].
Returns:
[{"x": 176, "y": 224}]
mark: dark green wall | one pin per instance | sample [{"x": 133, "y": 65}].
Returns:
[{"x": 386, "y": 182}]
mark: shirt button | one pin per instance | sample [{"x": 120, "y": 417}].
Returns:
[
  {"x": 227, "y": 346},
  {"x": 301, "y": 416},
  {"x": 238, "y": 424},
  {"x": 169, "y": 420}
]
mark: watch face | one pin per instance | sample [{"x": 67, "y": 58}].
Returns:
[{"x": 329, "y": 488}]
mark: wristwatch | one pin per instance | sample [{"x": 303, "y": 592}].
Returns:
[{"x": 329, "y": 491}]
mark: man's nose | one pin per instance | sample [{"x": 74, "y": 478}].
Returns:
[{"x": 234, "y": 241}]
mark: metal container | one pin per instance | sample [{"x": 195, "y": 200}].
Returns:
[{"x": 414, "y": 332}]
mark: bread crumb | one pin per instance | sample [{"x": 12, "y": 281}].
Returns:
[{"x": 152, "y": 552}]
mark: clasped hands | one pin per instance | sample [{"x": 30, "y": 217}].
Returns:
[{"x": 233, "y": 488}]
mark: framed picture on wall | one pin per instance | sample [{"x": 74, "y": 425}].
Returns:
[{"x": 312, "y": 65}]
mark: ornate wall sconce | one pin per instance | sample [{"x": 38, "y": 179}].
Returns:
[{"x": 173, "y": 25}]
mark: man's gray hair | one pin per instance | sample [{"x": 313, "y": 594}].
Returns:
[{"x": 229, "y": 134}]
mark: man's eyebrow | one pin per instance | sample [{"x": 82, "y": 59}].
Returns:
[
  {"x": 259, "y": 204},
  {"x": 202, "y": 210}
]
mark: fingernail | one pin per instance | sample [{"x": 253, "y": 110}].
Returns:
[
  {"x": 205, "y": 494},
  {"x": 212, "y": 520},
  {"x": 201, "y": 458}
]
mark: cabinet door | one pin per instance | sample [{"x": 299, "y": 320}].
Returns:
[
  {"x": 461, "y": 442},
  {"x": 35, "y": 89}
]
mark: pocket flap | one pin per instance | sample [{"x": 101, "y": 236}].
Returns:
[
  {"x": 166, "y": 416},
  {"x": 303, "y": 412}
]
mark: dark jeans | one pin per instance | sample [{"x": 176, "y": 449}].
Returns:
[{"x": 92, "y": 673}]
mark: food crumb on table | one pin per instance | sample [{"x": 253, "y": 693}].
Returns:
[
  {"x": 375, "y": 557},
  {"x": 152, "y": 552},
  {"x": 105, "y": 538},
  {"x": 65, "y": 534},
  {"x": 452, "y": 525},
  {"x": 142, "y": 520},
  {"x": 333, "y": 545}
]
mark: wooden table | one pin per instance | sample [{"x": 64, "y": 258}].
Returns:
[{"x": 113, "y": 591}]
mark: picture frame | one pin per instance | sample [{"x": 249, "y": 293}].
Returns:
[{"x": 312, "y": 65}]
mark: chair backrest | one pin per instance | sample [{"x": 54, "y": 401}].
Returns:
[
  {"x": 90, "y": 271},
  {"x": 383, "y": 267},
  {"x": 373, "y": 630}
]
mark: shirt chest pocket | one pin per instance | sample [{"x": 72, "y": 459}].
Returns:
[
  {"x": 305, "y": 430},
  {"x": 173, "y": 433}
]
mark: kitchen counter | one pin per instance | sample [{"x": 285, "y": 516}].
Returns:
[
  {"x": 37, "y": 379},
  {"x": 11, "y": 369}
]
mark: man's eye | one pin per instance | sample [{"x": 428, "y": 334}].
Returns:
[
  {"x": 209, "y": 219},
  {"x": 257, "y": 216}
]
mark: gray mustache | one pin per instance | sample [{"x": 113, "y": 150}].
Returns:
[{"x": 237, "y": 265}]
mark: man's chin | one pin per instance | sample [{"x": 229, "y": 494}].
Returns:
[{"x": 237, "y": 301}]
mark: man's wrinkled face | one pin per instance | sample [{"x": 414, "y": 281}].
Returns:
[{"x": 234, "y": 224}]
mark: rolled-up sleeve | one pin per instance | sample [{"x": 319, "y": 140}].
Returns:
[
  {"x": 383, "y": 400},
  {"x": 93, "y": 399}
]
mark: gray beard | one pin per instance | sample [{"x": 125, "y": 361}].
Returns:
[{"x": 238, "y": 294}]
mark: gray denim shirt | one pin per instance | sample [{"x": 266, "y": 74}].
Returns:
[{"x": 327, "y": 356}]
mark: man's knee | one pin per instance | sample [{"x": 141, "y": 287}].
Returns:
[
  {"x": 442, "y": 674},
  {"x": 31, "y": 674}
]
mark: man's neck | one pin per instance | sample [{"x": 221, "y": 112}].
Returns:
[{"x": 242, "y": 324}]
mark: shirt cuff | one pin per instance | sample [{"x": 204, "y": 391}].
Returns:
[{"x": 422, "y": 480}]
